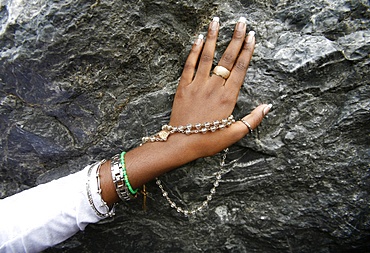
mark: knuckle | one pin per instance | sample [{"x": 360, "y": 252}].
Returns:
[
  {"x": 241, "y": 66},
  {"x": 194, "y": 50},
  {"x": 180, "y": 93},
  {"x": 228, "y": 58},
  {"x": 226, "y": 99},
  {"x": 194, "y": 92},
  {"x": 189, "y": 66},
  {"x": 211, "y": 34},
  {"x": 206, "y": 58},
  {"x": 248, "y": 47},
  {"x": 239, "y": 35}
]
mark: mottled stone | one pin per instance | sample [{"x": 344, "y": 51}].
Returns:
[{"x": 81, "y": 81}]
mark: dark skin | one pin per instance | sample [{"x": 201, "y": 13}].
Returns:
[{"x": 199, "y": 98}]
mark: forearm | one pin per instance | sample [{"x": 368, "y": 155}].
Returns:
[
  {"x": 148, "y": 161},
  {"x": 80, "y": 199},
  {"x": 199, "y": 98},
  {"x": 152, "y": 159}
]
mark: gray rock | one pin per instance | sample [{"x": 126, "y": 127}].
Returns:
[{"x": 81, "y": 81}]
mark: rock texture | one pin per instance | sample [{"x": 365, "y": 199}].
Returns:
[{"x": 81, "y": 81}]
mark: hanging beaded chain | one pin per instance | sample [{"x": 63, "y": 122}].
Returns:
[
  {"x": 209, "y": 196},
  {"x": 192, "y": 129}
]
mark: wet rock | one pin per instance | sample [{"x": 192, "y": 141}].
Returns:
[{"x": 81, "y": 81}]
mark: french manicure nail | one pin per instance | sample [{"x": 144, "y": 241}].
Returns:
[
  {"x": 243, "y": 20},
  {"x": 214, "y": 23},
  {"x": 241, "y": 23},
  {"x": 199, "y": 39},
  {"x": 250, "y": 36},
  {"x": 267, "y": 109}
]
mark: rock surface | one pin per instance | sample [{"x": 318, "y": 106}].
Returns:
[{"x": 81, "y": 81}]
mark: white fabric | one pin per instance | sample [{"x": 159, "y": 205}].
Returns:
[{"x": 48, "y": 214}]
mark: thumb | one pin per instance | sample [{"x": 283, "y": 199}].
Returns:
[
  {"x": 250, "y": 122},
  {"x": 218, "y": 141},
  {"x": 240, "y": 128}
]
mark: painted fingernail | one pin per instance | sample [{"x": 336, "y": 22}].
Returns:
[
  {"x": 241, "y": 23},
  {"x": 214, "y": 23},
  {"x": 250, "y": 36},
  {"x": 199, "y": 39},
  {"x": 267, "y": 109}
]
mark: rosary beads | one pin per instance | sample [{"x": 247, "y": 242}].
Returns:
[
  {"x": 189, "y": 129},
  {"x": 208, "y": 197}
]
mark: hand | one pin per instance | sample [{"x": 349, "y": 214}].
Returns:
[
  {"x": 198, "y": 99},
  {"x": 203, "y": 98}
]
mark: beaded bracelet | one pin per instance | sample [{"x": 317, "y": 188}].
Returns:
[
  {"x": 128, "y": 185},
  {"x": 190, "y": 129}
]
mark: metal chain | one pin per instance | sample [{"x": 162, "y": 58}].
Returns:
[{"x": 208, "y": 197}]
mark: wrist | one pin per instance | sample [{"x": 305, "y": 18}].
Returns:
[
  {"x": 146, "y": 162},
  {"x": 152, "y": 159},
  {"x": 109, "y": 193}
]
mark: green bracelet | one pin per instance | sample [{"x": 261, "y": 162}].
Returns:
[{"x": 133, "y": 192}]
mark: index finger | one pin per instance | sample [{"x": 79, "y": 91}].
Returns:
[
  {"x": 191, "y": 62},
  {"x": 207, "y": 55}
]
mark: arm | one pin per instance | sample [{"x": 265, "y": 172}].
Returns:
[
  {"x": 199, "y": 98},
  {"x": 55, "y": 212}
]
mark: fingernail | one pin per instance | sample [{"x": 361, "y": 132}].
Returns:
[
  {"x": 250, "y": 36},
  {"x": 267, "y": 109},
  {"x": 214, "y": 23},
  {"x": 241, "y": 23},
  {"x": 199, "y": 39}
]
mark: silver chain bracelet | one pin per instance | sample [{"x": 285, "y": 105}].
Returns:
[{"x": 109, "y": 212}]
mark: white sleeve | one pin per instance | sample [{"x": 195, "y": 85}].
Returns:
[{"x": 48, "y": 214}]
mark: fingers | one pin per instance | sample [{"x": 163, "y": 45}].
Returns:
[
  {"x": 206, "y": 59},
  {"x": 238, "y": 44},
  {"x": 239, "y": 129},
  {"x": 228, "y": 58},
  {"x": 251, "y": 121},
  {"x": 191, "y": 62},
  {"x": 220, "y": 140},
  {"x": 240, "y": 68}
]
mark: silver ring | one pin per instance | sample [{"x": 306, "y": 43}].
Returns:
[{"x": 248, "y": 125}]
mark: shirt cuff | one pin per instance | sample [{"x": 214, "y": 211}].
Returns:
[{"x": 48, "y": 214}]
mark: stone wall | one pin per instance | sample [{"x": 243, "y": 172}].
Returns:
[{"x": 83, "y": 80}]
